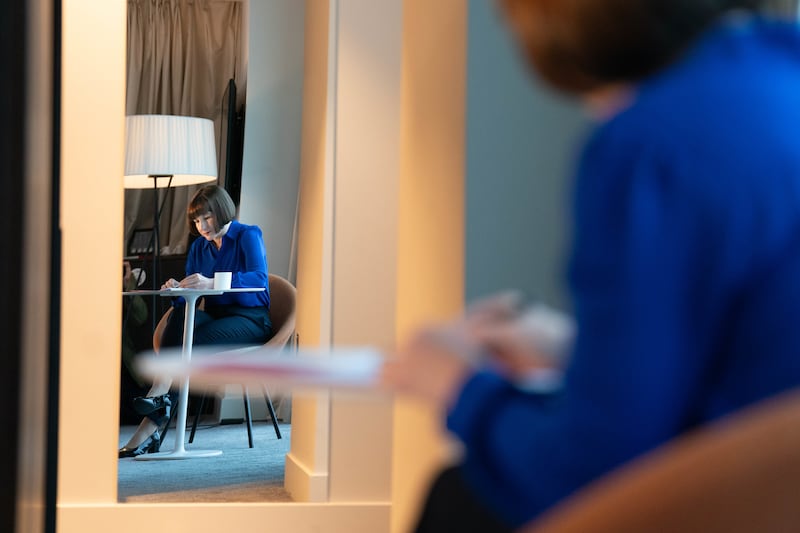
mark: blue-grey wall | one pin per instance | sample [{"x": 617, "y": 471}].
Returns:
[{"x": 521, "y": 142}]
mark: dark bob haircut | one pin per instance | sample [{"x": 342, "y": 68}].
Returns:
[
  {"x": 213, "y": 199},
  {"x": 580, "y": 45}
]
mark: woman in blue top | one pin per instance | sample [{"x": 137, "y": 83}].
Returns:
[
  {"x": 685, "y": 263},
  {"x": 225, "y": 245}
]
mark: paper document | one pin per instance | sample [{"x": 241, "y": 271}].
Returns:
[{"x": 211, "y": 367}]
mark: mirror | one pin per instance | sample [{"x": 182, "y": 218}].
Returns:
[
  {"x": 259, "y": 167},
  {"x": 335, "y": 456}
]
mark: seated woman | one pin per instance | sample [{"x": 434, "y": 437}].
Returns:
[{"x": 233, "y": 318}]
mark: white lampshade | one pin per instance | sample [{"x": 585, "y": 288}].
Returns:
[{"x": 160, "y": 146}]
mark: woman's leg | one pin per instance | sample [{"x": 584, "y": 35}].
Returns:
[
  {"x": 233, "y": 329},
  {"x": 146, "y": 428},
  {"x": 173, "y": 332}
]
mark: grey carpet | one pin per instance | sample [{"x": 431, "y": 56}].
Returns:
[{"x": 240, "y": 474}]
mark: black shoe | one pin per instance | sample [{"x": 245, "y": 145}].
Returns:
[
  {"x": 150, "y": 445},
  {"x": 144, "y": 405}
]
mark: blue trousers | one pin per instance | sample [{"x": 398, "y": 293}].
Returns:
[{"x": 227, "y": 324}]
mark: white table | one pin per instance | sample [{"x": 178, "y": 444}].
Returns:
[{"x": 191, "y": 296}]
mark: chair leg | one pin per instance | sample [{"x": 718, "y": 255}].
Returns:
[
  {"x": 171, "y": 417},
  {"x": 247, "y": 416},
  {"x": 272, "y": 414},
  {"x": 197, "y": 417}
]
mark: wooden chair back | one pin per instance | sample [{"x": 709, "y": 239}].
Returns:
[
  {"x": 282, "y": 310},
  {"x": 739, "y": 475}
]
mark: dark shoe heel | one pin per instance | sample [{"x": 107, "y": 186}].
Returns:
[
  {"x": 145, "y": 405},
  {"x": 150, "y": 445}
]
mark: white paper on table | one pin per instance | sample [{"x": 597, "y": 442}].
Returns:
[{"x": 351, "y": 367}]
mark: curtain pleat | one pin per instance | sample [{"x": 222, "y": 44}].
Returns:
[{"x": 181, "y": 55}]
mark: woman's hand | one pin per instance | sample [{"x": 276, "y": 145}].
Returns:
[
  {"x": 436, "y": 361},
  {"x": 516, "y": 339},
  {"x": 523, "y": 344},
  {"x": 433, "y": 364},
  {"x": 197, "y": 281},
  {"x": 171, "y": 283}
]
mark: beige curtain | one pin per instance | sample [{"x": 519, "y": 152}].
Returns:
[{"x": 181, "y": 54}]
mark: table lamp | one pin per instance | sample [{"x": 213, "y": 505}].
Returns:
[{"x": 163, "y": 151}]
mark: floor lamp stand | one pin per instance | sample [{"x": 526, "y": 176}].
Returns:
[{"x": 157, "y": 239}]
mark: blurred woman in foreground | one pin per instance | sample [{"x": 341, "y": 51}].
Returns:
[{"x": 684, "y": 264}]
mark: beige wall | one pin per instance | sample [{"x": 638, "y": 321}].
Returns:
[
  {"x": 430, "y": 279},
  {"x": 92, "y": 144}
]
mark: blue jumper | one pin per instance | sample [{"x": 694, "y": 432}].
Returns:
[{"x": 243, "y": 253}]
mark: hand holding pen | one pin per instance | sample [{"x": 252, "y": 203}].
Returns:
[{"x": 521, "y": 342}]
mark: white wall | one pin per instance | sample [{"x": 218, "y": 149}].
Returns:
[
  {"x": 272, "y": 88},
  {"x": 273, "y": 117},
  {"x": 521, "y": 141},
  {"x": 367, "y": 169}
]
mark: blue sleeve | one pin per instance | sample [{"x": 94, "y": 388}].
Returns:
[
  {"x": 252, "y": 271},
  {"x": 244, "y": 255},
  {"x": 631, "y": 275},
  {"x": 192, "y": 259}
]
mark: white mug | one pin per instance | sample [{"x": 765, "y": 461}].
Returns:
[{"x": 222, "y": 280}]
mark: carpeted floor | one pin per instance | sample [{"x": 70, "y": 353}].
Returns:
[{"x": 240, "y": 474}]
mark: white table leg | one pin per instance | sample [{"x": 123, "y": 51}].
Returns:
[{"x": 179, "y": 451}]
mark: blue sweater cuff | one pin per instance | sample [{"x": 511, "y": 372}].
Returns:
[{"x": 471, "y": 406}]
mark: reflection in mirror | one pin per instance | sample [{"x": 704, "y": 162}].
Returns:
[{"x": 189, "y": 59}]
